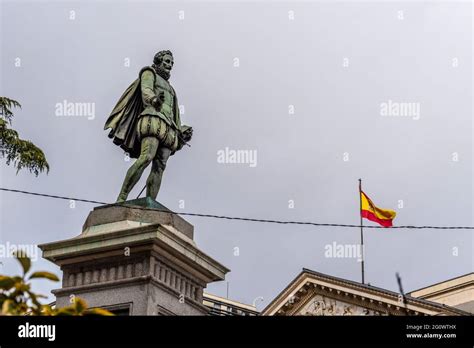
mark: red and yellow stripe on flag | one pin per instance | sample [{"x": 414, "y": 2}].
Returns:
[{"x": 369, "y": 211}]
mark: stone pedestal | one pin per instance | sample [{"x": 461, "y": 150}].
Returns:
[{"x": 135, "y": 258}]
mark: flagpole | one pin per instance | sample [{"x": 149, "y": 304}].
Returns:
[{"x": 361, "y": 229}]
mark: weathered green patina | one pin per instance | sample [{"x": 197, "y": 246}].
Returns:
[{"x": 147, "y": 125}]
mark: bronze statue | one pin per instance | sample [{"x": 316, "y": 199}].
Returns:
[{"x": 146, "y": 124}]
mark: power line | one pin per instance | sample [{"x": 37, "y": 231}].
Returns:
[{"x": 283, "y": 222}]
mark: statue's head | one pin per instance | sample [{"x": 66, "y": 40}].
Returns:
[{"x": 163, "y": 63}]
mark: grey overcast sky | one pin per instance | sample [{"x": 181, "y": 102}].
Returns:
[{"x": 300, "y": 83}]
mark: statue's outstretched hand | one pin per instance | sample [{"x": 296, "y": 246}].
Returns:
[{"x": 188, "y": 134}]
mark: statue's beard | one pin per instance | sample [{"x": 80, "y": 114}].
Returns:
[{"x": 163, "y": 73}]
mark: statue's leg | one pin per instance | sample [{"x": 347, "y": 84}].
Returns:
[
  {"x": 157, "y": 168},
  {"x": 149, "y": 145}
]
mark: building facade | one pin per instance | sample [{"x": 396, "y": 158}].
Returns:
[
  {"x": 317, "y": 294},
  {"x": 225, "y": 307}
]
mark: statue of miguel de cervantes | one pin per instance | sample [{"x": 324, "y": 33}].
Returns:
[{"x": 146, "y": 124}]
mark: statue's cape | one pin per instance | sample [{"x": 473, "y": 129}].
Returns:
[{"x": 124, "y": 117}]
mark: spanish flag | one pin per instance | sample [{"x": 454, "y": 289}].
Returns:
[{"x": 369, "y": 211}]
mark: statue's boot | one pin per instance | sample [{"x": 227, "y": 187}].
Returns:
[
  {"x": 122, "y": 197},
  {"x": 132, "y": 177},
  {"x": 153, "y": 183}
]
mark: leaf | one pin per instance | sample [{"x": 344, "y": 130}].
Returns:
[
  {"x": 98, "y": 311},
  {"x": 65, "y": 311},
  {"x": 46, "y": 275},
  {"x": 34, "y": 298},
  {"x": 24, "y": 260},
  {"x": 80, "y": 305},
  {"x": 8, "y": 307},
  {"x": 46, "y": 310},
  {"x": 6, "y": 283},
  {"x": 22, "y": 287}
]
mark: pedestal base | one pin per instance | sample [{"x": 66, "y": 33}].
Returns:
[{"x": 135, "y": 258}]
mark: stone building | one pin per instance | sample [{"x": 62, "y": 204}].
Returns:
[
  {"x": 225, "y": 307},
  {"x": 314, "y": 293},
  {"x": 457, "y": 292}
]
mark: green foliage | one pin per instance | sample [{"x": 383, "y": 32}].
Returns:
[
  {"x": 6, "y": 105},
  {"x": 23, "y": 154},
  {"x": 16, "y": 297}
]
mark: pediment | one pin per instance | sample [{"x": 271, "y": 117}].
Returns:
[
  {"x": 320, "y": 305},
  {"x": 313, "y": 293}
]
